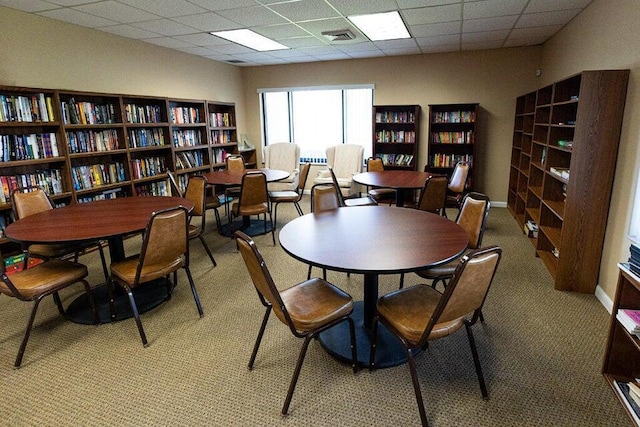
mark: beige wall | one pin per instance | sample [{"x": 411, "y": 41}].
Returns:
[
  {"x": 601, "y": 38},
  {"x": 42, "y": 52},
  {"x": 492, "y": 78}
]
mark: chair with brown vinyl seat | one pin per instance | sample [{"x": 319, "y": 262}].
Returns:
[
  {"x": 234, "y": 163},
  {"x": 253, "y": 200},
  {"x": 195, "y": 193},
  {"x": 433, "y": 195},
  {"x": 35, "y": 283},
  {"x": 420, "y": 314},
  {"x": 380, "y": 195},
  {"x": 457, "y": 185},
  {"x": 307, "y": 308},
  {"x": 324, "y": 197},
  {"x": 165, "y": 250},
  {"x": 34, "y": 199},
  {"x": 353, "y": 200},
  {"x": 211, "y": 200},
  {"x": 277, "y": 197}
]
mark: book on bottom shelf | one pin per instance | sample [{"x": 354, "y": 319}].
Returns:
[
  {"x": 630, "y": 398},
  {"x": 630, "y": 319}
]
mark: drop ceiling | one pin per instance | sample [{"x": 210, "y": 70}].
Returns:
[{"x": 435, "y": 25}]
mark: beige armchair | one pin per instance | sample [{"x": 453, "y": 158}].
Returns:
[
  {"x": 283, "y": 156},
  {"x": 346, "y": 161}
]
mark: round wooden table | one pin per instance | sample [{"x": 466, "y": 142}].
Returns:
[
  {"x": 371, "y": 241},
  {"x": 100, "y": 220},
  {"x": 402, "y": 181}
]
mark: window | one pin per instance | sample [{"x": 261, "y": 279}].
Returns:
[{"x": 317, "y": 118}]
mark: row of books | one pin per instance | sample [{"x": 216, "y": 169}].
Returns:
[
  {"x": 145, "y": 138},
  {"x": 634, "y": 259},
  {"x": 142, "y": 113},
  {"x": 399, "y": 136},
  {"x": 220, "y": 155},
  {"x": 20, "y": 108},
  {"x": 87, "y": 113},
  {"x": 563, "y": 173},
  {"x": 149, "y": 166},
  {"x": 218, "y": 120},
  {"x": 396, "y": 159},
  {"x": 105, "y": 195},
  {"x": 90, "y": 141},
  {"x": 28, "y": 147},
  {"x": 630, "y": 319},
  {"x": 18, "y": 262},
  {"x": 630, "y": 392},
  {"x": 189, "y": 159},
  {"x": 395, "y": 117},
  {"x": 182, "y": 115},
  {"x": 531, "y": 229},
  {"x": 186, "y": 138},
  {"x": 91, "y": 176},
  {"x": 158, "y": 188},
  {"x": 450, "y": 160},
  {"x": 453, "y": 137},
  {"x": 454, "y": 117},
  {"x": 221, "y": 137},
  {"x": 49, "y": 179}
]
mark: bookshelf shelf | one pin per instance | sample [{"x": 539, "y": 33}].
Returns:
[
  {"x": 575, "y": 127},
  {"x": 396, "y": 134}
]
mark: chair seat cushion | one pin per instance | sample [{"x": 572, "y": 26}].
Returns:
[
  {"x": 409, "y": 310},
  {"x": 314, "y": 303},
  {"x": 444, "y": 270},
  {"x": 125, "y": 270},
  {"x": 194, "y": 231},
  {"x": 260, "y": 208},
  {"x": 342, "y": 182},
  {"x": 212, "y": 202},
  {"x": 360, "y": 201},
  {"x": 51, "y": 251},
  {"x": 382, "y": 193},
  {"x": 45, "y": 278},
  {"x": 283, "y": 196}
]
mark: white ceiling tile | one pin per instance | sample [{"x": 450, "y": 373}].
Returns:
[
  {"x": 560, "y": 17},
  {"x": 551, "y": 5},
  {"x": 253, "y": 16},
  {"x": 129, "y": 31},
  {"x": 197, "y": 50},
  {"x": 276, "y": 32},
  {"x": 408, "y": 4},
  {"x": 402, "y": 51},
  {"x": 202, "y": 39},
  {"x": 253, "y": 56},
  {"x": 491, "y": 8},
  {"x": 546, "y": 31},
  {"x": 72, "y": 2},
  {"x": 318, "y": 50},
  {"x": 165, "y": 8},
  {"x": 482, "y": 45},
  {"x": 396, "y": 44},
  {"x": 116, "y": 11},
  {"x": 333, "y": 57},
  {"x": 350, "y": 7},
  {"x": 488, "y": 24},
  {"x": 366, "y": 54},
  {"x": 357, "y": 47},
  {"x": 77, "y": 17},
  {"x": 431, "y": 15},
  {"x": 525, "y": 41},
  {"x": 167, "y": 42},
  {"x": 302, "y": 42},
  {"x": 451, "y": 39},
  {"x": 216, "y": 5},
  {"x": 305, "y": 10},
  {"x": 231, "y": 49},
  {"x": 284, "y": 53},
  {"x": 207, "y": 22},
  {"x": 166, "y": 27},
  {"x": 484, "y": 36},
  {"x": 271, "y": 61},
  {"x": 440, "y": 48},
  {"x": 428, "y": 30},
  {"x": 28, "y": 5}
]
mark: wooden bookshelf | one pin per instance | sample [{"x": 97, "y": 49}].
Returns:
[
  {"x": 453, "y": 138},
  {"x": 574, "y": 126},
  {"x": 622, "y": 354},
  {"x": 396, "y": 133}
]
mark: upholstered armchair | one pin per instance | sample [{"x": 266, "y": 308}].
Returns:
[
  {"x": 346, "y": 161},
  {"x": 283, "y": 156}
]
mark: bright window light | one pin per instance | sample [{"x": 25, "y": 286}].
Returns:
[
  {"x": 250, "y": 39},
  {"x": 381, "y": 26}
]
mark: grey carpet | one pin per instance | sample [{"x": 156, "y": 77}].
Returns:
[{"x": 541, "y": 351}]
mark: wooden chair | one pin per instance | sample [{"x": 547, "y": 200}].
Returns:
[
  {"x": 211, "y": 200},
  {"x": 32, "y": 200},
  {"x": 195, "y": 193},
  {"x": 165, "y": 250},
  {"x": 352, "y": 200},
  {"x": 324, "y": 197},
  {"x": 457, "y": 185},
  {"x": 235, "y": 163},
  {"x": 307, "y": 308},
  {"x": 254, "y": 200},
  {"x": 44, "y": 279},
  {"x": 277, "y": 197},
  {"x": 420, "y": 314},
  {"x": 380, "y": 195},
  {"x": 433, "y": 195}
]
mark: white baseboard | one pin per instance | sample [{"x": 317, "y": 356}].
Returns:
[{"x": 604, "y": 299}]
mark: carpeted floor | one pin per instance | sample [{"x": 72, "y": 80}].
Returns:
[{"x": 541, "y": 352}]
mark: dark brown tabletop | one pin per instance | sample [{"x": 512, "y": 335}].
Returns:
[
  {"x": 224, "y": 177},
  {"x": 371, "y": 241},
  {"x": 400, "y": 180}
]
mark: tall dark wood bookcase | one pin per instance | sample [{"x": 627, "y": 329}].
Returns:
[
  {"x": 224, "y": 135},
  {"x": 396, "y": 133},
  {"x": 84, "y": 146},
  {"x": 453, "y": 138},
  {"x": 563, "y": 158}
]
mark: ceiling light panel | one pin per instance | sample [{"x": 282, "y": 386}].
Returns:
[
  {"x": 381, "y": 26},
  {"x": 250, "y": 39}
]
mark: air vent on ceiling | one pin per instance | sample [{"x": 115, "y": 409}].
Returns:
[{"x": 339, "y": 35}]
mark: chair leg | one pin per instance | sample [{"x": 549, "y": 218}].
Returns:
[
  {"x": 296, "y": 373},
  {"x": 298, "y": 208},
  {"x": 309, "y": 273},
  {"x": 273, "y": 228},
  {"x": 218, "y": 222},
  {"x": 476, "y": 361},
  {"x": 354, "y": 349},
  {"x": 401, "y": 281},
  {"x": 27, "y": 333},
  {"x": 105, "y": 269},
  {"x": 194, "y": 291},
  {"x": 259, "y": 338},
  {"x": 92, "y": 302},
  {"x": 56, "y": 299},
  {"x": 374, "y": 340},
  {"x": 416, "y": 387},
  {"x": 206, "y": 248},
  {"x": 136, "y": 315},
  {"x": 274, "y": 207}
]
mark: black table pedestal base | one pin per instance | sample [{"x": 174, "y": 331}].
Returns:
[
  {"x": 252, "y": 228},
  {"x": 336, "y": 341},
  {"x": 147, "y": 296}
]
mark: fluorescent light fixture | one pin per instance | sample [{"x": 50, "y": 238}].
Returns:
[
  {"x": 250, "y": 39},
  {"x": 381, "y": 26}
]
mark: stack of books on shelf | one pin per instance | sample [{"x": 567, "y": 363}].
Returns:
[
  {"x": 630, "y": 319},
  {"x": 87, "y": 113},
  {"x": 50, "y": 180},
  {"x": 561, "y": 172},
  {"x": 630, "y": 392},
  {"x": 33, "y": 108},
  {"x": 634, "y": 259},
  {"x": 531, "y": 229},
  {"x": 28, "y": 147}
]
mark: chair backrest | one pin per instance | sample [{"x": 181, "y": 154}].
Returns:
[
  {"x": 324, "y": 197},
  {"x": 335, "y": 183},
  {"x": 304, "y": 174},
  {"x": 283, "y": 156},
  {"x": 345, "y": 159},
  {"x": 375, "y": 164},
  {"x": 261, "y": 278},
  {"x": 165, "y": 242},
  {"x": 30, "y": 200},
  {"x": 459, "y": 177},
  {"x": 254, "y": 190},
  {"x": 174, "y": 184},
  {"x": 434, "y": 194},
  {"x": 473, "y": 215},
  {"x": 467, "y": 290},
  {"x": 235, "y": 163},
  {"x": 196, "y": 194}
]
